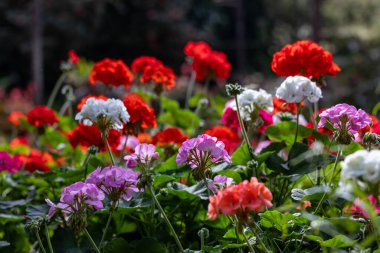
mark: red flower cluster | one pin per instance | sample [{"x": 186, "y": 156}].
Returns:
[
  {"x": 73, "y": 57},
  {"x": 375, "y": 127},
  {"x": 15, "y": 117},
  {"x": 206, "y": 62},
  {"x": 169, "y": 136},
  {"x": 36, "y": 161},
  {"x": 280, "y": 105},
  {"x": 111, "y": 72},
  {"x": 229, "y": 137},
  {"x": 87, "y": 136},
  {"x": 153, "y": 70},
  {"x": 41, "y": 116},
  {"x": 230, "y": 118},
  {"x": 83, "y": 101},
  {"x": 304, "y": 58},
  {"x": 240, "y": 199},
  {"x": 141, "y": 113}
]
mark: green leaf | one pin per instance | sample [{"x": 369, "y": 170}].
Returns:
[
  {"x": 282, "y": 222},
  {"x": 168, "y": 165},
  {"x": 339, "y": 241},
  {"x": 241, "y": 156},
  {"x": 117, "y": 245},
  {"x": 376, "y": 109},
  {"x": 162, "y": 180},
  {"x": 5, "y": 218},
  {"x": 222, "y": 222},
  {"x": 149, "y": 245},
  {"x": 285, "y": 131}
]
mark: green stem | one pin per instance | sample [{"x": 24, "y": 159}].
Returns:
[
  {"x": 85, "y": 163},
  {"x": 298, "y": 116},
  {"x": 234, "y": 223},
  {"x": 202, "y": 242},
  {"x": 48, "y": 239},
  {"x": 56, "y": 88},
  {"x": 248, "y": 243},
  {"x": 157, "y": 203},
  {"x": 112, "y": 209},
  {"x": 39, "y": 241},
  {"x": 91, "y": 241},
  {"x": 190, "y": 88},
  {"x": 245, "y": 136},
  {"x": 108, "y": 148}
]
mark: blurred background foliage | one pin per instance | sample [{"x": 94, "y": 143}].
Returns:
[{"x": 249, "y": 32}]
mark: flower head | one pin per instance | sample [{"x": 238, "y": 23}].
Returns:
[
  {"x": 73, "y": 57},
  {"x": 83, "y": 101},
  {"x": 296, "y": 89},
  {"x": 229, "y": 137},
  {"x": 304, "y": 58},
  {"x": 346, "y": 120},
  {"x": 110, "y": 114},
  {"x": 15, "y": 118},
  {"x": 160, "y": 75},
  {"x": 201, "y": 153},
  {"x": 144, "y": 154},
  {"x": 8, "y": 163},
  {"x": 281, "y": 105},
  {"x": 169, "y": 136},
  {"x": 240, "y": 199},
  {"x": 116, "y": 182},
  {"x": 111, "y": 72},
  {"x": 141, "y": 63},
  {"x": 250, "y": 101},
  {"x": 36, "y": 161},
  {"x": 141, "y": 114},
  {"x": 230, "y": 116},
  {"x": 41, "y": 116}
]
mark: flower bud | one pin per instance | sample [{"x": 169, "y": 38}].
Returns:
[
  {"x": 233, "y": 89},
  {"x": 371, "y": 139}
]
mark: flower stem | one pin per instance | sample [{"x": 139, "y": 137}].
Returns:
[
  {"x": 85, "y": 163},
  {"x": 155, "y": 200},
  {"x": 297, "y": 123},
  {"x": 48, "y": 239},
  {"x": 245, "y": 136},
  {"x": 108, "y": 148},
  {"x": 190, "y": 88},
  {"x": 91, "y": 240},
  {"x": 248, "y": 243},
  {"x": 112, "y": 209},
  {"x": 56, "y": 88},
  {"x": 39, "y": 241}
]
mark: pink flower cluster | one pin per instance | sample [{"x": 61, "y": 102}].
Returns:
[
  {"x": 357, "y": 209},
  {"x": 344, "y": 117},
  {"x": 240, "y": 199},
  {"x": 116, "y": 182},
  {"x": 76, "y": 198},
  {"x": 199, "y": 152},
  {"x": 8, "y": 163},
  {"x": 144, "y": 154}
]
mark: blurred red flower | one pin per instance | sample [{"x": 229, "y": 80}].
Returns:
[
  {"x": 229, "y": 137},
  {"x": 304, "y": 58},
  {"x": 73, "y": 57},
  {"x": 141, "y": 63},
  {"x": 141, "y": 113},
  {"x": 280, "y": 105},
  {"x": 36, "y": 161},
  {"x": 169, "y": 136},
  {"x": 111, "y": 72},
  {"x": 160, "y": 75},
  {"x": 15, "y": 117},
  {"x": 41, "y": 116}
]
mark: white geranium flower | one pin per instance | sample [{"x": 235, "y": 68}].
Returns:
[
  {"x": 295, "y": 89},
  {"x": 249, "y": 100},
  {"x": 109, "y": 114}
]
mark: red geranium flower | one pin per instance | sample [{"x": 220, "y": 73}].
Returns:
[
  {"x": 41, "y": 116},
  {"x": 229, "y": 137},
  {"x": 160, "y": 75},
  {"x": 139, "y": 64},
  {"x": 169, "y": 136},
  {"x": 36, "y": 161},
  {"x": 280, "y": 105},
  {"x": 73, "y": 57},
  {"x": 19, "y": 141},
  {"x": 83, "y": 101},
  {"x": 304, "y": 58},
  {"x": 15, "y": 117},
  {"x": 141, "y": 113},
  {"x": 375, "y": 127},
  {"x": 206, "y": 62},
  {"x": 87, "y": 136},
  {"x": 111, "y": 72}
]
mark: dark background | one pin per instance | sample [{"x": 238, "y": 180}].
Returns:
[{"x": 35, "y": 33}]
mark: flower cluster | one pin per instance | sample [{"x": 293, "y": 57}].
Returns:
[
  {"x": 240, "y": 199},
  {"x": 281, "y": 105},
  {"x": 206, "y": 62},
  {"x": 15, "y": 118},
  {"x": 346, "y": 120},
  {"x": 8, "y": 163},
  {"x": 201, "y": 153},
  {"x": 296, "y": 89},
  {"x": 141, "y": 114},
  {"x": 116, "y": 182},
  {"x": 230, "y": 116},
  {"x": 87, "y": 136},
  {"x": 41, "y": 116},
  {"x": 83, "y": 101},
  {"x": 36, "y": 161},
  {"x": 74, "y": 202},
  {"x": 304, "y": 58},
  {"x": 153, "y": 70},
  {"x": 111, "y": 72},
  {"x": 144, "y": 154},
  {"x": 169, "y": 136},
  {"x": 357, "y": 207},
  {"x": 218, "y": 183},
  {"x": 250, "y": 101},
  {"x": 229, "y": 137},
  {"x": 110, "y": 114}
]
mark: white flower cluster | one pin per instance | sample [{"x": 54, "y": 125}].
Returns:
[
  {"x": 295, "y": 89},
  {"x": 109, "y": 114},
  {"x": 249, "y": 100},
  {"x": 362, "y": 167}
]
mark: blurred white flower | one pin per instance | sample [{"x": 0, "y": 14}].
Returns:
[
  {"x": 295, "y": 89},
  {"x": 249, "y": 100},
  {"x": 109, "y": 114}
]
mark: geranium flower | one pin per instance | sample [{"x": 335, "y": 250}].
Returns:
[
  {"x": 281, "y": 105},
  {"x": 251, "y": 101},
  {"x": 219, "y": 182},
  {"x": 169, "y": 136},
  {"x": 36, "y": 161},
  {"x": 304, "y": 58},
  {"x": 8, "y": 163},
  {"x": 160, "y": 75},
  {"x": 357, "y": 207},
  {"x": 141, "y": 114},
  {"x": 73, "y": 57},
  {"x": 296, "y": 89},
  {"x": 141, "y": 63},
  {"x": 144, "y": 154},
  {"x": 41, "y": 116},
  {"x": 15, "y": 117},
  {"x": 207, "y": 63},
  {"x": 229, "y": 137},
  {"x": 230, "y": 116},
  {"x": 111, "y": 72},
  {"x": 83, "y": 101}
]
